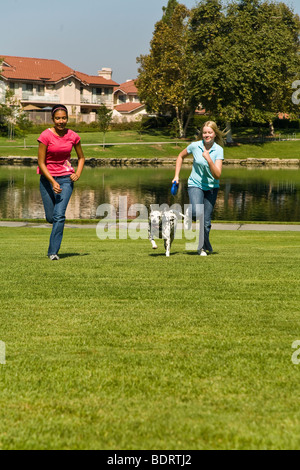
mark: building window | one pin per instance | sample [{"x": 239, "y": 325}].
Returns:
[
  {"x": 27, "y": 87},
  {"x": 97, "y": 91},
  {"x": 40, "y": 89}
]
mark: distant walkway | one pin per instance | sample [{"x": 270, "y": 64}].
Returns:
[
  {"x": 259, "y": 227},
  {"x": 215, "y": 226}
]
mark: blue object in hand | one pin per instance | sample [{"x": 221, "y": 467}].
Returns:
[{"x": 174, "y": 188}]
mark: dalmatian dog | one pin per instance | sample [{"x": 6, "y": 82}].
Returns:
[{"x": 162, "y": 224}]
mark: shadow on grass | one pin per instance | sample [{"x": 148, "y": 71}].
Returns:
[
  {"x": 154, "y": 255},
  {"x": 69, "y": 255},
  {"x": 193, "y": 253}
]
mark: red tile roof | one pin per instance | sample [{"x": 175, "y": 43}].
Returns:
[
  {"x": 26, "y": 68},
  {"x": 128, "y": 107},
  {"x": 94, "y": 79},
  {"x": 128, "y": 87},
  {"x": 283, "y": 116}
]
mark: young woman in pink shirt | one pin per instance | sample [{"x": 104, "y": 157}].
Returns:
[{"x": 57, "y": 174}]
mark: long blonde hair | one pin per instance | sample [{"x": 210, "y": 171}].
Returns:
[{"x": 220, "y": 135}]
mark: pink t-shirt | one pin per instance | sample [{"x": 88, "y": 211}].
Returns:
[{"x": 58, "y": 154}]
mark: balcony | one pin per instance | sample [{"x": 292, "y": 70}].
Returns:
[
  {"x": 108, "y": 101},
  {"x": 40, "y": 98}
]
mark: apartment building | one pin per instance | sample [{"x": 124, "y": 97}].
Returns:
[
  {"x": 127, "y": 106},
  {"x": 40, "y": 83}
]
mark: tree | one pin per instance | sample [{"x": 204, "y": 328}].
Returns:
[
  {"x": 2, "y": 85},
  {"x": 169, "y": 10},
  {"x": 10, "y": 110},
  {"x": 10, "y": 107},
  {"x": 244, "y": 58},
  {"x": 104, "y": 120},
  {"x": 163, "y": 73},
  {"x": 3, "y": 106},
  {"x": 24, "y": 125},
  {"x": 139, "y": 124}
]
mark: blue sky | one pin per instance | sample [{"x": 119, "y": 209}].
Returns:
[{"x": 85, "y": 35}]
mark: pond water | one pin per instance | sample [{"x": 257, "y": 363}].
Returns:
[{"x": 246, "y": 194}]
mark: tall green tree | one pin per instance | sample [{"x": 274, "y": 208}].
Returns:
[
  {"x": 169, "y": 10},
  {"x": 24, "y": 125},
  {"x": 10, "y": 110},
  {"x": 104, "y": 120},
  {"x": 244, "y": 58},
  {"x": 2, "y": 91},
  {"x": 163, "y": 73},
  {"x": 11, "y": 114}
]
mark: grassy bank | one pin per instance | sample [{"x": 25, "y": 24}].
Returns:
[
  {"x": 146, "y": 146},
  {"x": 118, "y": 347}
]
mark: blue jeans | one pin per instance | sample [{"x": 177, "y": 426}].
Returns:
[
  {"x": 55, "y": 206},
  {"x": 208, "y": 198}
]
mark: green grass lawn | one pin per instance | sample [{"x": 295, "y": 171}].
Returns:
[
  {"x": 145, "y": 146},
  {"x": 282, "y": 149},
  {"x": 118, "y": 347}
]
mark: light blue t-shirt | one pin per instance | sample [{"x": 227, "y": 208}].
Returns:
[{"x": 201, "y": 176}]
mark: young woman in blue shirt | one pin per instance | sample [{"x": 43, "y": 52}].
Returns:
[{"x": 203, "y": 183}]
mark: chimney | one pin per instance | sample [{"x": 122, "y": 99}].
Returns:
[{"x": 105, "y": 73}]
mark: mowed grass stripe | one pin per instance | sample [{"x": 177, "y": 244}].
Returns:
[{"x": 118, "y": 347}]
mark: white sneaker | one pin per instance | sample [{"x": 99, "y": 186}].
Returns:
[
  {"x": 54, "y": 257},
  {"x": 154, "y": 246},
  {"x": 202, "y": 253}
]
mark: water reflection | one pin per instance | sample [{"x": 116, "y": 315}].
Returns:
[
  {"x": 245, "y": 194},
  {"x": 260, "y": 195}
]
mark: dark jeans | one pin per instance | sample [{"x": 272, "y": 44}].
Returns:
[
  {"x": 208, "y": 198},
  {"x": 55, "y": 206}
]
